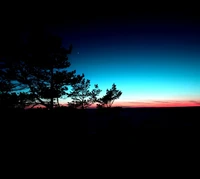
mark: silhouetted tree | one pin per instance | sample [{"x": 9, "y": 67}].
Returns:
[
  {"x": 99, "y": 106},
  {"x": 26, "y": 100},
  {"x": 9, "y": 98},
  {"x": 82, "y": 96},
  {"x": 5, "y": 84},
  {"x": 108, "y": 99},
  {"x": 39, "y": 66},
  {"x": 8, "y": 101}
]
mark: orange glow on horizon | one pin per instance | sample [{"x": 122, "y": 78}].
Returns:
[
  {"x": 155, "y": 104},
  {"x": 135, "y": 104}
]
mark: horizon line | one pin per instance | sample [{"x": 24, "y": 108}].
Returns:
[
  {"x": 131, "y": 107},
  {"x": 153, "y": 104}
]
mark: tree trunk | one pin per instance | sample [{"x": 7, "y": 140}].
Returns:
[
  {"x": 58, "y": 102},
  {"x": 51, "y": 103}
]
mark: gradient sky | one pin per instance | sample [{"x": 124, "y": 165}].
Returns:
[{"x": 153, "y": 59}]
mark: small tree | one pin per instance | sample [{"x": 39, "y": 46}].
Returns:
[
  {"x": 26, "y": 100},
  {"x": 108, "y": 99},
  {"x": 5, "y": 84},
  {"x": 82, "y": 96},
  {"x": 8, "y": 99}
]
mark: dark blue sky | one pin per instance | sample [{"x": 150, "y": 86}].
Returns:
[{"x": 154, "y": 58}]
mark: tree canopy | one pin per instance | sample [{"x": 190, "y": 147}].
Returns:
[
  {"x": 111, "y": 95},
  {"x": 81, "y": 94},
  {"x": 40, "y": 67}
]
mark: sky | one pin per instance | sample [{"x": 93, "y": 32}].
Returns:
[{"x": 154, "y": 59}]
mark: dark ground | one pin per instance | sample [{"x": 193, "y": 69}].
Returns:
[
  {"x": 163, "y": 136},
  {"x": 93, "y": 121}
]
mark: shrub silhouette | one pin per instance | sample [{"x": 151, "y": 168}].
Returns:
[
  {"x": 108, "y": 99},
  {"x": 81, "y": 94}
]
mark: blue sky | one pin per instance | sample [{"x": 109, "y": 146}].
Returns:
[{"x": 150, "y": 61}]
